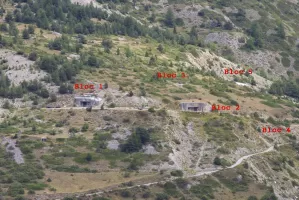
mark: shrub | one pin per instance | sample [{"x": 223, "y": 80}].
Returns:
[
  {"x": 32, "y": 56},
  {"x": 178, "y": 173},
  {"x": 36, "y": 186},
  {"x": 130, "y": 94},
  {"x": 112, "y": 105},
  {"x": 217, "y": 161},
  {"x": 88, "y": 157},
  {"x": 107, "y": 118},
  {"x": 252, "y": 198},
  {"x": 20, "y": 198},
  {"x": 100, "y": 198},
  {"x": 162, "y": 196},
  {"x": 285, "y": 61},
  {"x": 146, "y": 195},
  {"x": 136, "y": 140},
  {"x": 15, "y": 189},
  {"x": 6, "y": 105},
  {"x": 31, "y": 192},
  {"x": 84, "y": 127},
  {"x": 125, "y": 193},
  {"x": 73, "y": 130},
  {"x": 151, "y": 109},
  {"x": 181, "y": 183},
  {"x": 53, "y": 97}
]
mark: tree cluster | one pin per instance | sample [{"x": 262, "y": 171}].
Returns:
[
  {"x": 140, "y": 137},
  {"x": 289, "y": 88},
  {"x": 64, "y": 17}
]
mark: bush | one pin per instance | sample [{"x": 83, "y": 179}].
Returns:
[
  {"x": 178, "y": 173},
  {"x": 84, "y": 127},
  {"x": 286, "y": 61},
  {"x": 125, "y": 193},
  {"x": 15, "y": 189},
  {"x": 112, "y": 105},
  {"x": 107, "y": 118},
  {"x": 181, "y": 183},
  {"x": 6, "y": 105},
  {"x": 19, "y": 198},
  {"x": 88, "y": 157},
  {"x": 252, "y": 198},
  {"x": 136, "y": 140},
  {"x": 151, "y": 109},
  {"x": 217, "y": 161},
  {"x": 31, "y": 192},
  {"x": 32, "y": 56},
  {"x": 44, "y": 93},
  {"x": 53, "y": 97},
  {"x": 170, "y": 188},
  {"x": 146, "y": 195},
  {"x": 100, "y": 198},
  {"x": 162, "y": 196},
  {"x": 36, "y": 186}
]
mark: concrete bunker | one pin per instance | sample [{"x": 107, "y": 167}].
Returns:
[
  {"x": 87, "y": 100},
  {"x": 195, "y": 107}
]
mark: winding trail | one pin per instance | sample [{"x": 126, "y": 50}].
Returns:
[{"x": 198, "y": 174}]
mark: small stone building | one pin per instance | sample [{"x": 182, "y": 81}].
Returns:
[
  {"x": 87, "y": 100},
  {"x": 195, "y": 107}
]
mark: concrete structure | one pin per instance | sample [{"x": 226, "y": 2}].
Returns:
[
  {"x": 87, "y": 100},
  {"x": 195, "y": 107}
]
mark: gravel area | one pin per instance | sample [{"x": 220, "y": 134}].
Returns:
[
  {"x": 20, "y": 68},
  {"x": 123, "y": 136},
  {"x": 149, "y": 149},
  {"x": 12, "y": 148},
  {"x": 113, "y": 144}
]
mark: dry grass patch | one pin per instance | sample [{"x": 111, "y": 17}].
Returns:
[{"x": 80, "y": 182}]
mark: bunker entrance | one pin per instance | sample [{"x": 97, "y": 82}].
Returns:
[
  {"x": 193, "y": 108},
  {"x": 85, "y": 103}
]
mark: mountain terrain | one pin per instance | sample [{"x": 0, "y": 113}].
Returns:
[{"x": 138, "y": 143}]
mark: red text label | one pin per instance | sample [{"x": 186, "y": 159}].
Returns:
[
  {"x": 231, "y": 71},
  {"x": 219, "y": 107},
  {"x": 274, "y": 130},
  {"x": 170, "y": 75},
  {"x": 80, "y": 86}
]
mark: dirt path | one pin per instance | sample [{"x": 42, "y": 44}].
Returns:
[
  {"x": 201, "y": 153},
  {"x": 198, "y": 174}
]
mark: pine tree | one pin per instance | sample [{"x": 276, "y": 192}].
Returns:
[
  {"x": 9, "y": 17},
  {"x": 280, "y": 31},
  {"x": 26, "y": 34},
  {"x": 31, "y": 29},
  {"x": 160, "y": 48},
  {"x": 169, "y": 18},
  {"x": 174, "y": 30},
  {"x": 152, "y": 61}
]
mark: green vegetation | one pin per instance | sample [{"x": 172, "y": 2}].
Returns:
[
  {"x": 232, "y": 183},
  {"x": 140, "y": 137},
  {"x": 206, "y": 189},
  {"x": 220, "y": 129},
  {"x": 177, "y": 173}
]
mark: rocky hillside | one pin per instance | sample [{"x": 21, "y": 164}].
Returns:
[{"x": 138, "y": 143}]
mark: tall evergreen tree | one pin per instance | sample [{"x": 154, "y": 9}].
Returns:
[
  {"x": 169, "y": 18},
  {"x": 280, "y": 31},
  {"x": 25, "y": 34}
]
